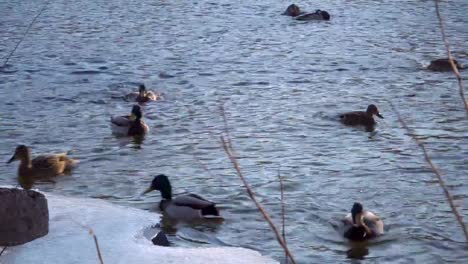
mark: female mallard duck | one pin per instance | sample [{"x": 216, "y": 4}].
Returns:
[
  {"x": 362, "y": 225},
  {"x": 41, "y": 167},
  {"x": 318, "y": 15},
  {"x": 130, "y": 125},
  {"x": 362, "y": 118},
  {"x": 183, "y": 207},
  {"x": 142, "y": 96},
  {"x": 443, "y": 65}
]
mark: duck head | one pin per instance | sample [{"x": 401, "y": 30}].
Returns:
[
  {"x": 292, "y": 10},
  {"x": 325, "y": 15},
  {"x": 136, "y": 113},
  {"x": 161, "y": 183},
  {"x": 21, "y": 153},
  {"x": 142, "y": 90},
  {"x": 356, "y": 210},
  {"x": 372, "y": 110}
]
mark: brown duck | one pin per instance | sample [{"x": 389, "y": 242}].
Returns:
[
  {"x": 143, "y": 95},
  {"x": 361, "y": 118},
  {"x": 41, "y": 167}
]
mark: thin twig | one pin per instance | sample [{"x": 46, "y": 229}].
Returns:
[
  {"x": 2, "y": 251},
  {"x": 436, "y": 171},
  {"x": 449, "y": 53},
  {"x": 283, "y": 213},
  {"x": 91, "y": 232},
  {"x": 227, "y": 146},
  {"x": 24, "y": 34}
]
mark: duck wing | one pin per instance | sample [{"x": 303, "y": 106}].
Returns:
[
  {"x": 193, "y": 201},
  {"x": 45, "y": 161},
  {"x": 123, "y": 121}
]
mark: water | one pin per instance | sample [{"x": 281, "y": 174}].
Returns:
[{"x": 282, "y": 82}]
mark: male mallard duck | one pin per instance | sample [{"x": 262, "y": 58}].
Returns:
[
  {"x": 292, "y": 10},
  {"x": 443, "y": 65},
  {"x": 183, "y": 207},
  {"x": 361, "y": 118},
  {"x": 131, "y": 125},
  {"x": 362, "y": 225},
  {"x": 142, "y": 96},
  {"x": 318, "y": 15},
  {"x": 41, "y": 167}
]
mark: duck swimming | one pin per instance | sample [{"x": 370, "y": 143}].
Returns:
[
  {"x": 362, "y": 118},
  {"x": 318, "y": 15},
  {"x": 183, "y": 207},
  {"x": 292, "y": 10},
  {"x": 130, "y": 125},
  {"x": 362, "y": 225},
  {"x": 142, "y": 96},
  {"x": 41, "y": 167},
  {"x": 443, "y": 65}
]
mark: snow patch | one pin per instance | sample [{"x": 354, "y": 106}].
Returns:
[{"x": 120, "y": 234}]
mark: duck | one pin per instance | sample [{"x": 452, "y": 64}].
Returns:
[
  {"x": 187, "y": 207},
  {"x": 317, "y": 15},
  {"x": 363, "y": 118},
  {"x": 443, "y": 65},
  {"x": 41, "y": 167},
  {"x": 130, "y": 125},
  {"x": 362, "y": 225},
  {"x": 142, "y": 96},
  {"x": 292, "y": 10}
]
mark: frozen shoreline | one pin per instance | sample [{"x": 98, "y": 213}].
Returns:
[{"x": 120, "y": 233}]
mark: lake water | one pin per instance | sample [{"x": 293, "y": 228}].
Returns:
[{"x": 282, "y": 82}]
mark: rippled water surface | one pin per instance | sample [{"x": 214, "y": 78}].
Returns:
[{"x": 282, "y": 83}]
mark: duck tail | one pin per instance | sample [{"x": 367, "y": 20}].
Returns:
[{"x": 210, "y": 210}]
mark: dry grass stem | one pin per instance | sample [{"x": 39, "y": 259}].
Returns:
[
  {"x": 283, "y": 213},
  {"x": 96, "y": 243},
  {"x": 227, "y": 146},
  {"x": 2, "y": 251},
  {"x": 449, "y": 53},
  {"x": 24, "y": 34},
  {"x": 436, "y": 171}
]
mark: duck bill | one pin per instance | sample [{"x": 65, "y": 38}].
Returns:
[
  {"x": 12, "y": 159},
  {"x": 379, "y": 115},
  {"x": 132, "y": 117},
  {"x": 148, "y": 190}
]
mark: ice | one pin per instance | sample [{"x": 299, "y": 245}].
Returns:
[{"x": 120, "y": 234}]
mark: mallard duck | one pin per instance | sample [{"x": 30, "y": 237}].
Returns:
[
  {"x": 41, "y": 167},
  {"x": 130, "y": 125},
  {"x": 292, "y": 10},
  {"x": 362, "y": 225},
  {"x": 443, "y": 65},
  {"x": 362, "y": 118},
  {"x": 183, "y": 207},
  {"x": 142, "y": 96},
  {"x": 318, "y": 15}
]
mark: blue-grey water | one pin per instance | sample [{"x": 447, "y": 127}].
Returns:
[{"x": 282, "y": 83}]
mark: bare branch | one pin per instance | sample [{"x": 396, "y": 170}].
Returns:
[
  {"x": 436, "y": 171},
  {"x": 449, "y": 53},
  {"x": 24, "y": 35},
  {"x": 226, "y": 143}
]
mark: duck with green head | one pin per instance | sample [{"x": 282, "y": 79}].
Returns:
[
  {"x": 362, "y": 225},
  {"x": 41, "y": 167},
  {"x": 130, "y": 125},
  {"x": 142, "y": 96},
  {"x": 361, "y": 118},
  {"x": 185, "y": 207}
]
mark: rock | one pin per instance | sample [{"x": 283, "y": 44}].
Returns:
[
  {"x": 24, "y": 216},
  {"x": 443, "y": 65},
  {"x": 161, "y": 240}
]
